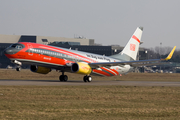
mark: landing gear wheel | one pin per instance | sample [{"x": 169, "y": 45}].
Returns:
[
  {"x": 18, "y": 69},
  {"x": 87, "y": 78},
  {"x": 63, "y": 78}
]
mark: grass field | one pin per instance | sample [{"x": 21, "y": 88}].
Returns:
[{"x": 89, "y": 102}]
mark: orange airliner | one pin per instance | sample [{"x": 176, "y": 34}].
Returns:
[{"x": 43, "y": 58}]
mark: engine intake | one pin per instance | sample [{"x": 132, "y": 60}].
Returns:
[
  {"x": 40, "y": 69},
  {"x": 81, "y": 68}
]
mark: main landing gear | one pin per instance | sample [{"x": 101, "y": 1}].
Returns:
[{"x": 63, "y": 77}]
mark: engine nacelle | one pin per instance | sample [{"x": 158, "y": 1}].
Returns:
[
  {"x": 81, "y": 68},
  {"x": 39, "y": 69}
]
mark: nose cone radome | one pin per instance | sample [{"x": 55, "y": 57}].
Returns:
[{"x": 8, "y": 51}]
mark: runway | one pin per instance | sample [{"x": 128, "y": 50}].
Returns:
[{"x": 79, "y": 83}]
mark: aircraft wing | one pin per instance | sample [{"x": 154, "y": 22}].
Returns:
[{"x": 133, "y": 63}]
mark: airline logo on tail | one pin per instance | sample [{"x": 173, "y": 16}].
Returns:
[{"x": 132, "y": 47}]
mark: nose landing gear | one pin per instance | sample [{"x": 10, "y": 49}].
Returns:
[
  {"x": 18, "y": 65},
  {"x": 18, "y": 68}
]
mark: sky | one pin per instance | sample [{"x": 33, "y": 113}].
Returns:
[{"x": 109, "y": 22}]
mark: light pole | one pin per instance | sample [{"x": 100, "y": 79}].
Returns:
[
  {"x": 160, "y": 49},
  {"x": 146, "y": 52},
  {"x": 160, "y": 53}
]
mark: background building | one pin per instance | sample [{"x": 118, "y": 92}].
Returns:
[{"x": 42, "y": 39}]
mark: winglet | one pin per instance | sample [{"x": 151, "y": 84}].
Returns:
[{"x": 170, "y": 54}]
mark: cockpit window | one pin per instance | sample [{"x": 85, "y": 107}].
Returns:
[{"x": 18, "y": 46}]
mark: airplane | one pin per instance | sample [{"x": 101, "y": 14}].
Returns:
[{"x": 43, "y": 58}]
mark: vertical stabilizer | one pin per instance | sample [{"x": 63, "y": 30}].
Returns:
[{"x": 129, "y": 53}]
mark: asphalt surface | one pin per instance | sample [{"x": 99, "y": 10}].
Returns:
[{"x": 80, "y": 82}]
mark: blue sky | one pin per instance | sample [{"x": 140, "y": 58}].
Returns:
[{"x": 107, "y": 21}]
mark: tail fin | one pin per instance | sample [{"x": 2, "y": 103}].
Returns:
[{"x": 129, "y": 53}]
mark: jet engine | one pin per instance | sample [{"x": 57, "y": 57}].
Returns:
[
  {"x": 81, "y": 68},
  {"x": 40, "y": 69}
]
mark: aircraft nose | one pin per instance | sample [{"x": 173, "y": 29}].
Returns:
[{"x": 7, "y": 51}]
